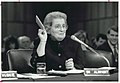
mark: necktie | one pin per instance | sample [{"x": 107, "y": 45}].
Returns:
[{"x": 115, "y": 54}]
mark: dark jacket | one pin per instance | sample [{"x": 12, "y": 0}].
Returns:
[
  {"x": 106, "y": 47},
  {"x": 56, "y": 53},
  {"x": 5, "y": 64}
]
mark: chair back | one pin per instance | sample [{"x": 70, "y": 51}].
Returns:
[
  {"x": 92, "y": 60},
  {"x": 19, "y": 60}
]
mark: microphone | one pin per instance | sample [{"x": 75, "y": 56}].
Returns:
[{"x": 73, "y": 37}]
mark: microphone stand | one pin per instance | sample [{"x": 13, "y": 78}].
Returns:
[{"x": 90, "y": 48}]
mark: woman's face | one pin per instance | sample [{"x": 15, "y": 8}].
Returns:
[
  {"x": 12, "y": 46},
  {"x": 58, "y": 29}
]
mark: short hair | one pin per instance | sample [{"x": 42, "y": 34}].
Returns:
[
  {"x": 82, "y": 34},
  {"x": 23, "y": 37},
  {"x": 52, "y": 15},
  {"x": 103, "y": 36},
  {"x": 10, "y": 40},
  {"x": 114, "y": 28}
]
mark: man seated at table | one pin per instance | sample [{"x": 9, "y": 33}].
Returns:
[
  {"x": 52, "y": 46},
  {"x": 24, "y": 42},
  {"x": 112, "y": 44}
]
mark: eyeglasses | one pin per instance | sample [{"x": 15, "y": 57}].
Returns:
[{"x": 58, "y": 26}]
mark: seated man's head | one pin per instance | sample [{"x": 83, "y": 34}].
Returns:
[
  {"x": 24, "y": 42},
  {"x": 112, "y": 35},
  {"x": 100, "y": 39},
  {"x": 56, "y": 25}
]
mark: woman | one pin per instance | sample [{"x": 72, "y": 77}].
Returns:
[
  {"x": 54, "y": 47},
  {"x": 10, "y": 42}
]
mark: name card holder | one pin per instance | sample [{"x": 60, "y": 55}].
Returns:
[
  {"x": 9, "y": 75},
  {"x": 96, "y": 72}
]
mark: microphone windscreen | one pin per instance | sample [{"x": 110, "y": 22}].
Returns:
[{"x": 73, "y": 37}]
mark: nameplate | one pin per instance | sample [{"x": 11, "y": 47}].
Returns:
[
  {"x": 96, "y": 72},
  {"x": 8, "y": 75}
]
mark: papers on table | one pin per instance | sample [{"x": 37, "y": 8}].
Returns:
[
  {"x": 109, "y": 68},
  {"x": 56, "y": 72},
  {"x": 34, "y": 76},
  {"x": 74, "y": 71},
  {"x": 50, "y": 74}
]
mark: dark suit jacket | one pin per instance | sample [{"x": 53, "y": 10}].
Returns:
[
  {"x": 56, "y": 53},
  {"x": 4, "y": 58},
  {"x": 106, "y": 47}
]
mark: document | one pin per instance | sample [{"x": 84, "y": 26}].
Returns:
[
  {"x": 74, "y": 71},
  {"x": 38, "y": 21},
  {"x": 34, "y": 76},
  {"x": 57, "y": 72},
  {"x": 109, "y": 68}
]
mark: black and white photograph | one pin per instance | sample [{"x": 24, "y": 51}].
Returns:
[{"x": 59, "y": 41}]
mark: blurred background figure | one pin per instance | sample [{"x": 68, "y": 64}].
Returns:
[
  {"x": 24, "y": 42},
  {"x": 3, "y": 46},
  {"x": 99, "y": 40},
  {"x": 10, "y": 42},
  {"x": 112, "y": 44},
  {"x": 83, "y": 36}
]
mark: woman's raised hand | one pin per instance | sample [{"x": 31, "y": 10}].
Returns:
[{"x": 42, "y": 35}]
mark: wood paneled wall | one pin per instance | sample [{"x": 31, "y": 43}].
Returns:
[{"x": 94, "y": 17}]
